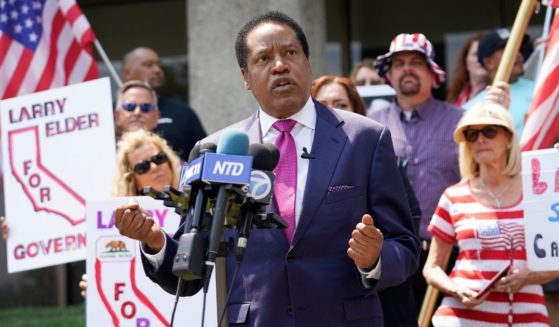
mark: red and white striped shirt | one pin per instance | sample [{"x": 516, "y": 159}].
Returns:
[{"x": 488, "y": 239}]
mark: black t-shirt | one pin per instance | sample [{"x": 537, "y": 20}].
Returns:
[{"x": 179, "y": 126}]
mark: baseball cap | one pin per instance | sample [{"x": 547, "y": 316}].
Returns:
[{"x": 494, "y": 40}]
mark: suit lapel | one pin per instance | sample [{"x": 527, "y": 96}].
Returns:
[{"x": 328, "y": 143}]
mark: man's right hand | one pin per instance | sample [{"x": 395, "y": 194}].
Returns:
[{"x": 133, "y": 222}]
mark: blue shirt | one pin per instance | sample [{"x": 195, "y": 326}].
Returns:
[
  {"x": 425, "y": 141},
  {"x": 521, "y": 93}
]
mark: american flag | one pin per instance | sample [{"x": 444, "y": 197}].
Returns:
[
  {"x": 43, "y": 44},
  {"x": 542, "y": 121},
  {"x": 502, "y": 236}
]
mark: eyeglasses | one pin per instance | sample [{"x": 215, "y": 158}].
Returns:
[
  {"x": 471, "y": 135},
  {"x": 144, "y": 166},
  {"x": 144, "y": 106}
]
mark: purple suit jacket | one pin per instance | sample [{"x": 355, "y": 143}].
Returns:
[{"x": 313, "y": 282}]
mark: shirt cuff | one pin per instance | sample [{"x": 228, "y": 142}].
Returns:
[
  {"x": 372, "y": 274},
  {"x": 155, "y": 259}
]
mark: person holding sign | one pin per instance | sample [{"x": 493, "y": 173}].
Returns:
[
  {"x": 143, "y": 159},
  {"x": 483, "y": 214}
]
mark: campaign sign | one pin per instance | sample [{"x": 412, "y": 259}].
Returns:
[
  {"x": 224, "y": 168},
  {"x": 58, "y": 151},
  {"x": 118, "y": 291},
  {"x": 540, "y": 179}
]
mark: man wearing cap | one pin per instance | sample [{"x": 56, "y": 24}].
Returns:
[
  {"x": 489, "y": 54},
  {"x": 421, "y": 128}
]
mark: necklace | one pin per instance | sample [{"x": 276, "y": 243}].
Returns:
[{"x": 496, "y": 198}]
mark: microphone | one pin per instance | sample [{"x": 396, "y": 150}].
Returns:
[
  {"x": 189, "y": 260},
  {"x": 228, "y": 167},
  {"x": 306, "y": 155},
  {"x": 259, "y": 195},
  {"x": 194, "y": 153}
]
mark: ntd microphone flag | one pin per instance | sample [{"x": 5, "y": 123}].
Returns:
[{"x": 226, "y": 169}]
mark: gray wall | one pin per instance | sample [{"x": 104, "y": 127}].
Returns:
[{"x": 217, "y": 91}]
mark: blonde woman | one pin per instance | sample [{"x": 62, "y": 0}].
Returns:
[
  {"x": 483, "y": 215},
  {"x": 144, "y": 159}
]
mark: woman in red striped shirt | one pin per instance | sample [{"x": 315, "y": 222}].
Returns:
[{"x": 483, "y": 214}]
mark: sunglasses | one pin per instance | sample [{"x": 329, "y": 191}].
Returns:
[
  {"x": 144, "y": 106},
  {"x": 144, "y": 166},
  {"x": 489, "y": 132}
]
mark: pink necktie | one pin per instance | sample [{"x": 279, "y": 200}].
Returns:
[{"x": 285, "y": 186}]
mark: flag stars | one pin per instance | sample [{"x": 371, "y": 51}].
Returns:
[
  {"x": 14, "y": 14},
  {"x": 3, "y": 18},
  {"x": 38, "y": 19},
  {"x": 24, "y": 9},
  {"x": 28, "y": 23},
  {"x": 18, "y": 28},
  {"x": 33, "y": 37},
  {"x": 36, "y": 5}
]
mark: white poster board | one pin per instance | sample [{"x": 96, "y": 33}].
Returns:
[
  {"x": 540, "y": 180},
  {"x": 58, "y": 151},
  {"x": 119, "y": 293},
  {"x": 376, "y": 97}
]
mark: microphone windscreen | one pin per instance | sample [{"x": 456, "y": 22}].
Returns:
[
  {"x": 208, "y": 147},
  {"x": 194, "y": 153},
  {"x": 274, "y": 155},
  {"x": 233, "y": 142},
  {"x": 262, "y": 157}
]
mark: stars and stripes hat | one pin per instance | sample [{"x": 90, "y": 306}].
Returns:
[{"x": 411, "y": 42}]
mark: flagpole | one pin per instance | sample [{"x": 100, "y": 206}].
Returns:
[
  {"x": 107, "y": 62},
  {"x": 513, "y": 44}
]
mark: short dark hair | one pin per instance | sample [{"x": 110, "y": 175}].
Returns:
[{"x": 241, "y": 49}]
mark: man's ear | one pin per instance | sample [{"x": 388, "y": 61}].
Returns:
[
  {"x": 245, "y": 78},
  {"x": 126, "y": 73}
]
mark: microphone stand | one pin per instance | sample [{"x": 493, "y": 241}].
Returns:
[
  {"x": 221, "y": 288},
  {"x": 178, "y": 200}
]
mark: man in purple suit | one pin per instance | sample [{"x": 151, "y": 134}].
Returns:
[{"x": 350, "y": 231}]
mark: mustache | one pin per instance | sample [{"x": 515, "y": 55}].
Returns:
[{"x": 414, "y": 76}]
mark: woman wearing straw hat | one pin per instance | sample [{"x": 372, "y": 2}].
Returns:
[{"x": 483, "y": 214}]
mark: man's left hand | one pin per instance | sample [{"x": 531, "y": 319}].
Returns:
[{"x": 365, "y": 243}]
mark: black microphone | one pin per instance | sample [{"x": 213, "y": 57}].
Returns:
[
  {"x": 306, "y": 155},
  {"x": 231, "y": 167},
  {"x": 259, "y": 194},
  {"x": 188, "y": 263},
  {"x": 194, "y": 153}
]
